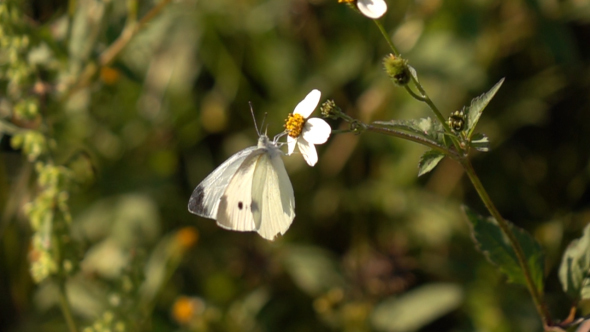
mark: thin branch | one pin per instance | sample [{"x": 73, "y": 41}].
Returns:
[
  {"x": 110, "y": 54},
  {"x": 504, "y": 226},
  {"x": 65, "y": 307},
  {"x": 415, "y": 95}
]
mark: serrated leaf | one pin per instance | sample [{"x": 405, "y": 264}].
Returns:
[
  {"x": 428, "y": 161},
  {"x": 416, "y": 308},
  {"x": 574, "y": 272},
  {"x": 417, "y": 126},
  {"x": 497, "y": 249},
  {"x": 477, "y": 106},
  {"x": 426, "y": 128},
  {"x": 480, "y": 142}
]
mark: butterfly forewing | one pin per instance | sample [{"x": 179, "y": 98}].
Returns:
[
  {"x": 204, "y": 200},
  {"x": 273, "y": 203},
  {"x": 235, "y": 205}
]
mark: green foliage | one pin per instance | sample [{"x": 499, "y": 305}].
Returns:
[
  {"x": 98, "y": 159},
  {"x": 574, "y": 272},
  {"x": 480, "y": 142},
  {"x": 492, "y": 242},
  {"x": 416, "y": 308},
  {"x": 425, "y": 128},
  {"x": 314, "y": 270},
  {"x": 475, "y": 109},
  {"x": 428, "y": 161}
]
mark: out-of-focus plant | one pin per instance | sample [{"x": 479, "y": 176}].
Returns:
[
  {"x": 101, "y": 96},
  {"x": 514, "y": 251},
  {"x": 101, "y": 277}
]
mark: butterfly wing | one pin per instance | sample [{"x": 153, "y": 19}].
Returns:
[
  {"x": 273, "y": 202},
  {"x": 204, "y": 200},
  {"x": 236, "y": 204}
]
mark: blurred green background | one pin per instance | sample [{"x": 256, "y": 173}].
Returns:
[{"x": 372, "y": 247}]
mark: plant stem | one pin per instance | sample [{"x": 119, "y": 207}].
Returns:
[
  {"x": 424, "y": 96},
  {"x": 386, "y": 36},
  {"x": 65, "y": 307},
  {"x": 131, "y": 30},
  {"x": 505, "y": 227},
  {"x": 111, "y": 53},
  {"x": 466, "y": 163}
]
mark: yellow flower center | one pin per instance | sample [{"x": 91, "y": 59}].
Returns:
[
  {"x": 346, "y": 1},
  {"x": 294, "y": 124}
]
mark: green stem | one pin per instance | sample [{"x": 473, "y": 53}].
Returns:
[
  {"x": 110, "y": 54},
  {"x": 414, "y": 95},
  {"x": 65, "y": 307},
  {"x": 424, "y": 96},
  {"x": 386, "y": 36},
  {"x": 505, "y": 227}
]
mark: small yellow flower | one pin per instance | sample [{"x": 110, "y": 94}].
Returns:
[
  {"x": 294, "y": 124},
  {"x": 109, "y": 75},
  {"x": 187, "y": 237},
  {"x": 186, "y": 308}
]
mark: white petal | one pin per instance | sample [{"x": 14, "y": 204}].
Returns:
[
  {"x": 316, "y": 131},
  {"x": 307, "y": 105},
  {"x": 308, "y": 151},
  {"x": 291, "y": 142},
  {"x": 372, "y": 8}
]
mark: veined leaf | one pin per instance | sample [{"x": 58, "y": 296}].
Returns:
[
  {"x": 574, "y": 272},
  {"x": 497, "y": 249},
  {"x": 417, "y": 126},
  {"x": 426, "y": 128},
  {"x": 477, "y": 106},
  {"x": 428, "y": 161},
  {"x": 480, "y": 142}
]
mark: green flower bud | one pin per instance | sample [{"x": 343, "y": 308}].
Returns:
[
  {"x": 397, "y": 69},
  {"x": 457, "y": 121},
  {"x": 330, "y": 110}
]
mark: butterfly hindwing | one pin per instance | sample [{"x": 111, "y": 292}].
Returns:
[
  {"x": 235, "y": 205},
  {"x": 204, "y": 200},
  {"x": 273, "y": 202}
]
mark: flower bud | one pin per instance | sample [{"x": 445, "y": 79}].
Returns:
[
  {"x": 397, "y": 69},
  {"x": 330, "y": 110},
  {"x": 457, "y": 121}
]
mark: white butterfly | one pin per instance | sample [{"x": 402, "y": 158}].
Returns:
[{"x": 250, "y": 191}]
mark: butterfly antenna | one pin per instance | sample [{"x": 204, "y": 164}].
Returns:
[
  {"x": 254, "y": 118},
  {"x": 263, "y": 121}
]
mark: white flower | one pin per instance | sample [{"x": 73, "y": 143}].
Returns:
[
  {"x": 373, "y": 9},
  {"x": 304, "y": 132}
]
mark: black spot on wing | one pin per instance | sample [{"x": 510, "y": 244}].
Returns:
[
  {"x": 195, "y": 203},
  {"x": 240, "y": 205},
  {"x": 254, "y": 206}
]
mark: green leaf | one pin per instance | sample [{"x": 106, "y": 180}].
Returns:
[
  {"x": 312, "y": 268},
  {"x": 477, "y": 106},
  {"x": 419, "y": 127},
  {"x": 496, "y": 247},
  {"x": 425, "y": 128},
  {"x": 574, "y": 272},
  {"x": 416, "y": 308},
  {"x": 428, "y": 161},
  {"x": 480, "y": 142}
]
